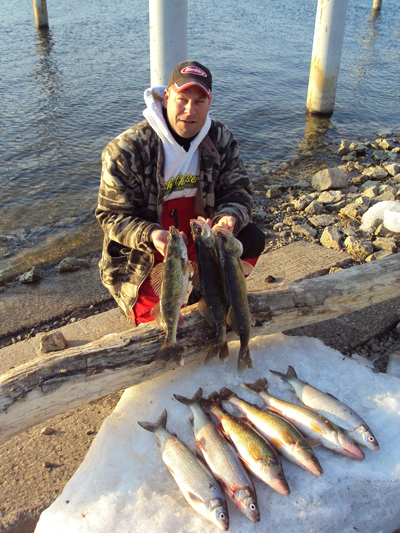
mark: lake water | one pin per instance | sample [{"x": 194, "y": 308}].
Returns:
[{"x": 67, "y": 91}]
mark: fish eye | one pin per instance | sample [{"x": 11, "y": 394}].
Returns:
[
  {"x": 371, "y": 438},
  {"x": 222, "y": 516},
  {"x": 252, "y": 507}
]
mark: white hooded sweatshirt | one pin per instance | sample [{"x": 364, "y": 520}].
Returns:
[{"x": 181, "y": 168}]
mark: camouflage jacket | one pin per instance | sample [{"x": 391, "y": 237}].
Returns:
[{"x": 131, "y": 197}]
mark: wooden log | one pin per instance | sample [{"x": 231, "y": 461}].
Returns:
[{"x": 56, "y": 382}]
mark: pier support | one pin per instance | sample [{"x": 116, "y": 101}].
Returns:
[
  {"x": 168, "y": 37},
  {"x": 377, "y": 5},
  {"x": 325, "y": 61},
  {"x": 40, "y": 11}
]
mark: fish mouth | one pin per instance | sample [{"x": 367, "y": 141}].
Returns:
[{"x": 350, "y": 449}]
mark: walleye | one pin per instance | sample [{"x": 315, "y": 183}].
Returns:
[
  {"x": 170, "y": 280},
  {"x": 196, "y": 482},
  {"x": 337, "y": 411},
  {"x": 254, "y": 450},
  {"x": 309, "y": 422},
  {"x": 280, "y": 433},
  {"x": 239, "y": 316},
  {"x": 222, "y": 459},
  {"x": 212, "y": 306}
]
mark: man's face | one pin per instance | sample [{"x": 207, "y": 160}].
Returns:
[{"x": 187, "y": 110}]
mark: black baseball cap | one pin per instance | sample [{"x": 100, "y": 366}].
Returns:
[{"x": 189, "y": 73}]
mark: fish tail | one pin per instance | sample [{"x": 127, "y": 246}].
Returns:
[
  {"x": 261, "y": 385},
  {"x": 167, "y": 353},
  {"x": 161, "y": 423},
  {"x": 291, "y": 373},
  {"x": 190, "y": 401},
  {"x": 223, "y": 351},
  {"x": 244, "y": 359},
  {"x": 226, "y": 393},
  {"x": 212, "y": 353}
]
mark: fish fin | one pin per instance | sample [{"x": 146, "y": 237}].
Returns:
[
  {"x": 188, "y": 401},
  {"x": 244, "y": 359},
  {"x": 212, "y": 353},
  {"x": 332, "y": 396},
  {"x": 286, "y": 377},
  {"x": 223, "y": 353},
  {"x": 205, "y": 311},
  {"x": 247, "y": 268},
  {"x": 226, "y": 393},
  {"x": 167, "y": 353},
  {"x": 313, "y": 442},
  {"x": 161, "y": 423},
  {"x": 156, "y": 314},
  {"x": 181, "y": 321},
  {"x": 261, "y": 385},
  {"x": 195, "y": 279},
  {"x": 252, "y": 320},
  {"x": 156, "y": 277}
]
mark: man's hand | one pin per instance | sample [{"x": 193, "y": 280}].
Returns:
[
  {"x": 159, "y": 237},
  {"x": 227, "y": 223}
]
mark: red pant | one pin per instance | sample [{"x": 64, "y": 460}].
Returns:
[{"x": 176, "y": 213}]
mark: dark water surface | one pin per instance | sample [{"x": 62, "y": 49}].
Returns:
[{"x": 65, "y": 92}]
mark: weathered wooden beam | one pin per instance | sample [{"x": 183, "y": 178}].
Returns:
[{"x": 56, "y": 382}]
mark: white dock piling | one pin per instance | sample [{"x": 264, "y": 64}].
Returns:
[
  {"x": 168, "y": 37},
  {"x": 325, "y": 62},
  {"x": 377, "y": 5},
  {"x": 40, "y": 12}
]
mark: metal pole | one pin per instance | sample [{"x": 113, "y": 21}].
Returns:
[
  {"x": 40, "y": 11},
  {"x": 377, "y": 5},
  {"x": 168, "y": 37},
  {"x": 325, "y": 62}
]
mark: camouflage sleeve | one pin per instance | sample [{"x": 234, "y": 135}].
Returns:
[
  {"x": 127, "y": 193},
  {"x": 233, "y": 192}
]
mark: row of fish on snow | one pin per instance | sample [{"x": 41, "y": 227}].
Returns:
[
  {"x": 219, "y": 274},
  {"x": 232, "y": 446}
]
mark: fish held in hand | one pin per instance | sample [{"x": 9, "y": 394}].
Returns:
[
  {"x": 197, "y": 484},
  {"x": 222, "y": 459},
  {"x": 311, "y": 423},
  {"x": 337, "y": 411},
  {"x": 213, "y": 305},
  {"x": 239, "y": 316},
  {"x": 280, "y": 433},
  {"x": 170, "y": 280},
  {"x": 254, "y": 450}
]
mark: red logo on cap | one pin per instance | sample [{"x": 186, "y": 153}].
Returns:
[{"x": 194, "y": 70}]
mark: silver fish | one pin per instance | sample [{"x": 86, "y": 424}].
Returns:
[
  {"x": 197, "y": 484},
  {"x": 239, "y": 316},
  {"x": 337, "y": 411},
  {"x": 170, "y": 281},
  {"x": 222, "y": 459},
  {"x": 311, "y": 423},
  {"x": 255, "y": 451},
  {"x": 280, "y": 432}
]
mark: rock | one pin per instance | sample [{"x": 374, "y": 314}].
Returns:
[
  {"x": 378, "y": 255},
  {"x": 315, "y": 208},
  {"x": 384, "y": 144},
  {"x": 47, "y": 431},
  {"x": 323, "y": 220},
  {"x": 371, "y": 192},
  {"x": 330, "y": 197},
  {"x": 344, "y": 148},
  {"x": 70, "y": 264},
  {"x": 330, "y": 178},
  {"x": 353, "y": 210},
  {"x": 304, "y": 230},
  {"x": 332, "y": 238},
  {"x": 31, "y": 276},
  {"x": 301, "y": 203},
  {"x": 392, "y": 168},
  {"x": 358, "y": 247},
  {"x": 53, "y": 341},
  {"x": 377, "y": 173},
  {"x": 273, "y": 191},
  {"x": 385, "y": 243}
]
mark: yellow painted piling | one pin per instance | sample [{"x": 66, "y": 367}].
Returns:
[{"x": 40, "y": 11}]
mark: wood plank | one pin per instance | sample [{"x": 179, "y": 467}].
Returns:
[{"x": 59, "y": 381}]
